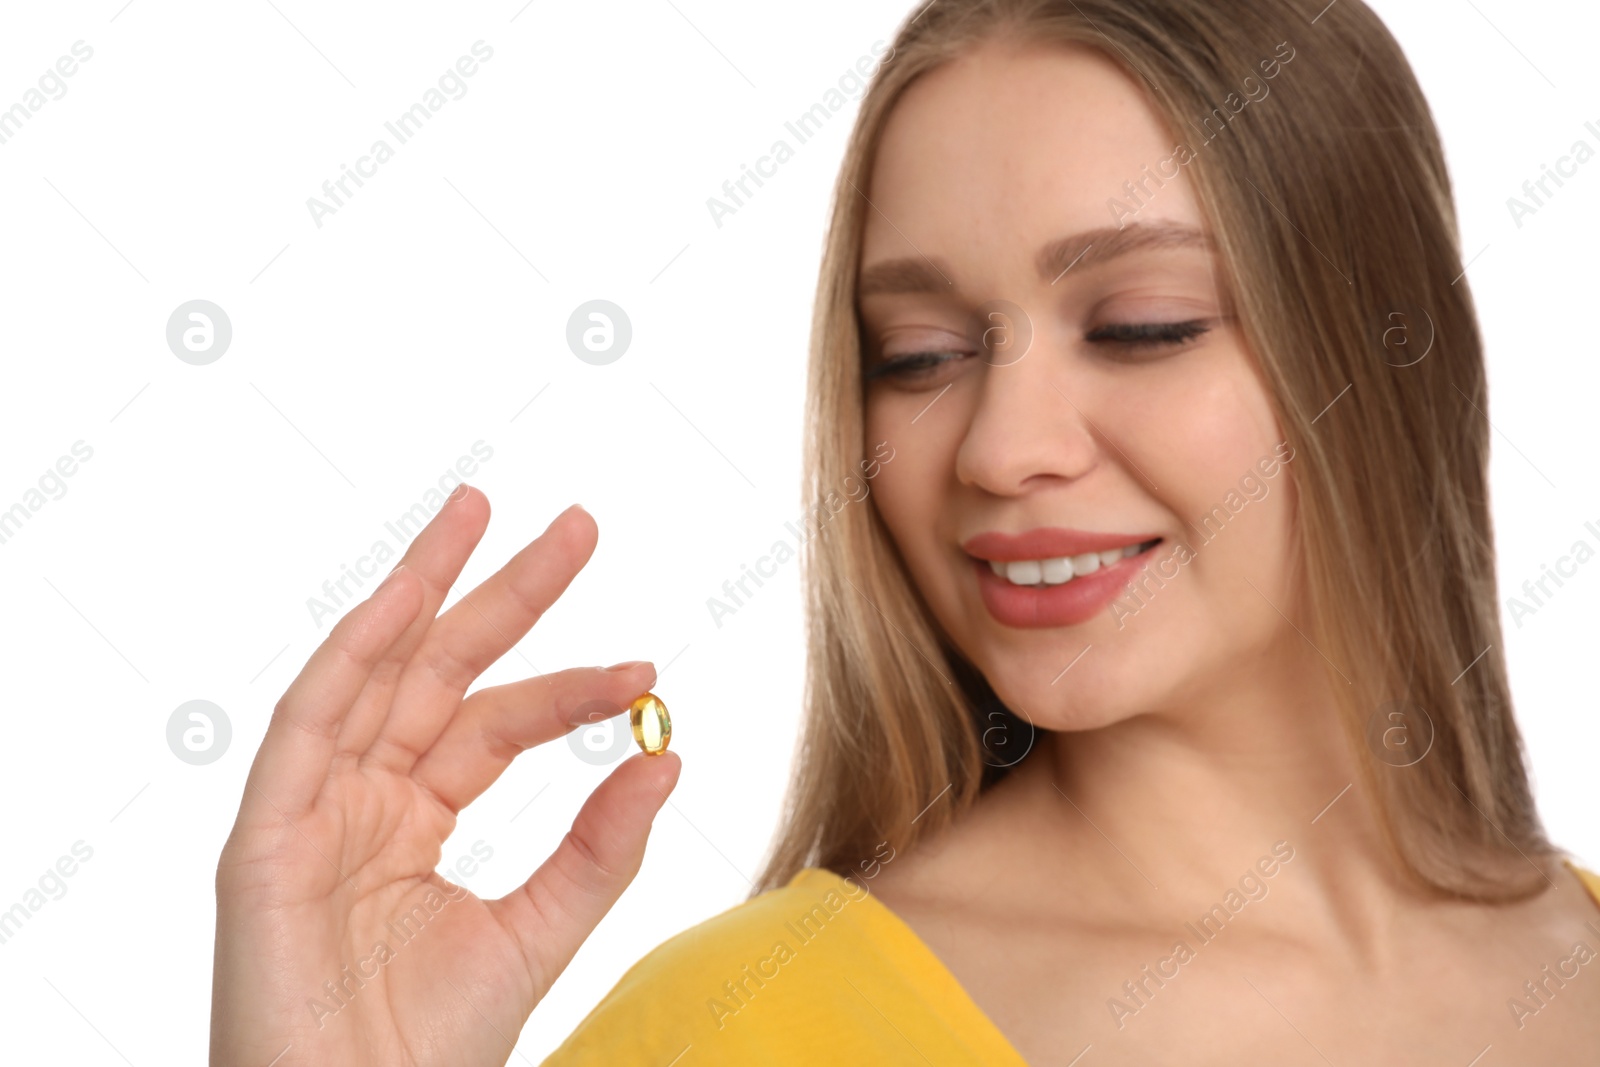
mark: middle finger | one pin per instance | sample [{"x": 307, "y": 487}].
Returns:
[{"x": 467, "y": 639}]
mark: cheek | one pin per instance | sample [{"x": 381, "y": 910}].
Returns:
[
  {"x": 909, "y": 492},
  {"x": 1207, "y": 434},
  {"x": 1198, "y": 434}
]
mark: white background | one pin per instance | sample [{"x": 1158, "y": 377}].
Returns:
[{"x": 429, "y": 313}]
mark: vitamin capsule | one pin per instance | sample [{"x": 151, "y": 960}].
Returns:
[{"x": 652, "y": 726}]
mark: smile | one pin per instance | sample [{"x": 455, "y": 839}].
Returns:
[
  {"x": 1060, "y": 569},
  {"x": 1052, "y": 576}
]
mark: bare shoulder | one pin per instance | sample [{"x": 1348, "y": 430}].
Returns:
[
  {"x": 989, "y": 885},
  {"x": 969, "y": 858},
  {"x": 1541, "y": 959}
]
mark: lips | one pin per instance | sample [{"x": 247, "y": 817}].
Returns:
[
  {"x": 1066, "y": 604},
  {"x": 1047, "y": 542}
]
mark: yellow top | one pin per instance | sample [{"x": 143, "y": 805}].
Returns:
[{"x": 816, "y": 972}]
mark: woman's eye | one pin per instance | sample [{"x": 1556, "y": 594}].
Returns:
[
  {"x": 913, "y": 367},
  {"x": 1128, "y": 338},
  {"x": 1144, "y": 336}
]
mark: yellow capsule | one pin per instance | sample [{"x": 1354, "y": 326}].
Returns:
[{"x": 652, "y": 726}]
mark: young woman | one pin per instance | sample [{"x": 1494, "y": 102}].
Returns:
[{"x": 1156, "y": 709}]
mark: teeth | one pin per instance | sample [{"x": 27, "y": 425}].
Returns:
[
  {"x": 1024, "y": 572},
  {"x": 1062, "y": 568},
  {"x": 1057, "y": 571}
]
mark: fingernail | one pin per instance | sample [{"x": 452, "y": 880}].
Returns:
[
  {"x": 625, "y": 666},
  {"x": 569, "y": 509},
  {"x": 387, "y": 578},
  {"x": 460, "y": 492}
]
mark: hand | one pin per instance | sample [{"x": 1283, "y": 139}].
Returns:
[{"x": 336, "y": 941}]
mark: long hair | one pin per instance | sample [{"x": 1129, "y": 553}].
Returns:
[{"x": 1333, "y": 217}]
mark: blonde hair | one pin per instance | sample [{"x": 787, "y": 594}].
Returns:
[{"x": 1331, "y": 210}]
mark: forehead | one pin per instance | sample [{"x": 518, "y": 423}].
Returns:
[{"x": 1012, "y": 143}]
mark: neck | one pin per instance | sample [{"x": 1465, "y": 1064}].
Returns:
[{"x": 1171, "y": 811}]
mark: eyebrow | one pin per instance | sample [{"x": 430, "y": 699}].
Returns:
[{"x": 923, "y": 274}]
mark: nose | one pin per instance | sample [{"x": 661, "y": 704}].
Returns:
[{"x": 1027, "y": 428}]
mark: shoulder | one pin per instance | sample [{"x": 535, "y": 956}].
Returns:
[
  {"x": 1590, "y": 880},
  {"x": 753, "y": 978}
]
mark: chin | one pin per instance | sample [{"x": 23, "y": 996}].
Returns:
[{"x": 1053, "y": 692}]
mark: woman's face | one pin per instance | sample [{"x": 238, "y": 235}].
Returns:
[{"x": 1135, "y": 414}]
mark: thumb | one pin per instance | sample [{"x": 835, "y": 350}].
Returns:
[{"x": 556, "y": 909}]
